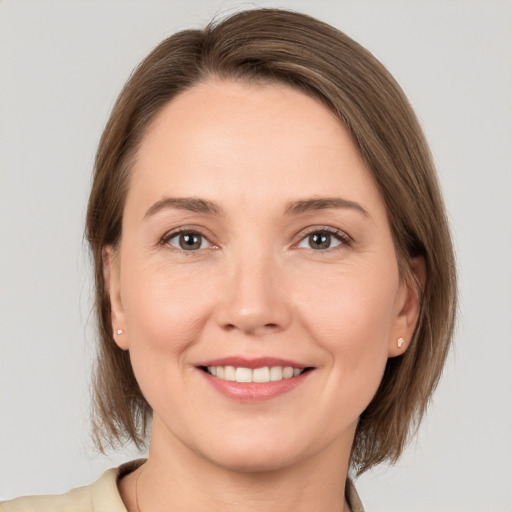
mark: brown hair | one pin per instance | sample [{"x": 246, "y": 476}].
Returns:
[{"x": 276, "y": 46}]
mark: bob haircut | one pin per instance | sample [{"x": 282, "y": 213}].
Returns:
[{"x": 274, "y": 46}]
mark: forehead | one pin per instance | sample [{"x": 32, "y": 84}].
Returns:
[{"x": 258, "y": 141}]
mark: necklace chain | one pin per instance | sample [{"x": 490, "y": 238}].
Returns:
[{"x": 137, "y": 487}]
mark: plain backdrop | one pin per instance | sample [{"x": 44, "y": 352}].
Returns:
[{"x": 62, "y": 63}]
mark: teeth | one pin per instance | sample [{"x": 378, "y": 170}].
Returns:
[
  {"x": 264, "y": 374},
  {"x": 243, "y": 375},
  {"x": 287, "y": 372},
  {"x": 229, "y": 373},
  {"x": 261, "y": 374},
  {"x": 276, "y": 373}
]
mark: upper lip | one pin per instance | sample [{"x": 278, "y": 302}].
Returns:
[{"x": 252, "y": 363}]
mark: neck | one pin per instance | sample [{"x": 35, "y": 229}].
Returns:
[{"x": 176, "y": 478}]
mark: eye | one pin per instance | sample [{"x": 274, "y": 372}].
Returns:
[
  {"x": 187, "y": 241},
  {"x": 321, "y": 240}
]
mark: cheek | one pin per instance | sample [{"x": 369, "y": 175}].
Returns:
[
  {"x": 165, "y": 309},
  {"x": 165, "y": 313},
  {"x": 350, "y": 301},
  {"x": 351, "y": 320}
]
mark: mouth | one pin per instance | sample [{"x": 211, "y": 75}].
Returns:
[
  {"x": 252, "y": 380},
  {"x": 261, "y": 374}
]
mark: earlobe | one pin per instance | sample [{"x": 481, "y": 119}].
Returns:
[
  {"x": 409, "y": 307},
  {"x": 111, "y": 275}
]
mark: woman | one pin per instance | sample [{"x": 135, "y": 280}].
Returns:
[{"x": 275, "y": 277}]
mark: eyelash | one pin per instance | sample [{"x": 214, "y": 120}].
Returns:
[
  {"x": 342, "y": 237},
  {"x": 165, "y": 240}
]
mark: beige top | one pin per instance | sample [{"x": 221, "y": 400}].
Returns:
[{"x": 103, "y": 496}]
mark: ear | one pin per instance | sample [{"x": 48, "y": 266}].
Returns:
[
  {"x": 408, "y": 307},
  {"x": 112, "y": 277}
]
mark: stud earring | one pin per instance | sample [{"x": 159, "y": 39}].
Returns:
[
  {"x": 119, "y": 331},
  {"x": 400, "y": 342}
]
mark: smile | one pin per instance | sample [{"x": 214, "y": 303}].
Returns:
[
  {"x": 250, "y": 380},
  {"x": 260, "y": 375}
]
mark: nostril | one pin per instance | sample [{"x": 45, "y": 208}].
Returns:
[{"x": 252, "y": 328}]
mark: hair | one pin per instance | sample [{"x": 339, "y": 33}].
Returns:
[{"x": 283, "y": 47}]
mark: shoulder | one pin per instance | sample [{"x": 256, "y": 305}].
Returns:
[
  {"x": 101, "y": 496},
  {"x": 351, "y": 496},
  {"x": 78, "y": 499}
]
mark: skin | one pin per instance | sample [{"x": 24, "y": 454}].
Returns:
[{"x": 256, "y": 287}]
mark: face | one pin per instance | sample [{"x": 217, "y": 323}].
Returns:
[{"x": 256, "y": 279}]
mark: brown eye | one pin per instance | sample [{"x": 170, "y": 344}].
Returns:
[
  {"x": 189, "y": 241},
  {"x": 320, "y": 240}
]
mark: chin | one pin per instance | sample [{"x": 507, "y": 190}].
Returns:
[
  {"x": 253, "y": 461},
  {"x": 254, "y": 453}
]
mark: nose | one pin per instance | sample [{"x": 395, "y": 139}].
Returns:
[{"x": 253, "y": 299}]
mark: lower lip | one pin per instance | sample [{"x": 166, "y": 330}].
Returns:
[{"x": 254, "y": 391}]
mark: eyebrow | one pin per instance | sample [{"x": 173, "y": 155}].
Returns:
[
  {"x": 322, "y": 203},
  {"x": 192, "y": 204},
  {"x": 195, "y": 204}
]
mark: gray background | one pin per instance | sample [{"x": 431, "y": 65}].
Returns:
[{"x": 62, "y": 64}]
